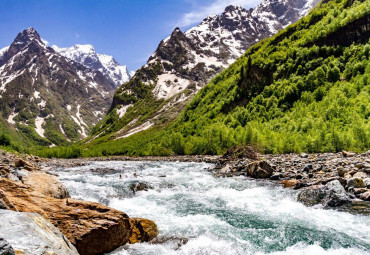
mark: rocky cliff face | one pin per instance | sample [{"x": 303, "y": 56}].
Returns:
[
  {"x": 46, "y": 97},
  {"x": 87, "y": 56},
  {"x": 184, "y": 62}
]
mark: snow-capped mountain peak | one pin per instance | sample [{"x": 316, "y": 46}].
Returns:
[
  {"x": 184, "y": 62},
  {"x": 107, "y": 65}
]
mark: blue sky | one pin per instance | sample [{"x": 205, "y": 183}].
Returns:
[{"x": 130, "y": 30}]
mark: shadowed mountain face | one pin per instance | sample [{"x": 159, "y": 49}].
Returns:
[
  {"x": 184, "y": 62},
  {"x": 46, "y": 97}
]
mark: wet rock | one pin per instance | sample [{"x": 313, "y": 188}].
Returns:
[
  {"x": 46, "y": 184},
  {"x": 173, "y": 242},
  {"x": 29, "y": 233},
  {"x": 5, "y": 248},
  {"x": 143, "y": 230},
  {"x": 355, "y": 182},
  {"x": 103, "y": 170},
  {"x": 330, "y": 195},
  {"x": 140, "y": 186},
  {"x": 259, "y": 169}
]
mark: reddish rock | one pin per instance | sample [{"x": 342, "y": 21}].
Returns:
[
  {"x": 290, "y": 183},
  {"x": 91, "y": 227}
]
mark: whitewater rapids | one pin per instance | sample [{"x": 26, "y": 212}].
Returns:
[{"x": 199, "y": 214}]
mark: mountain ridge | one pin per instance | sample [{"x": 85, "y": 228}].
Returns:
[
  {"x": 185, "y": 61},
  {"x": 47, "y": 99},
  {"x": 85, "y": 54}
]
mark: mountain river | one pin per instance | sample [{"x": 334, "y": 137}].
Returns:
[{"x": 199, "y": 214}]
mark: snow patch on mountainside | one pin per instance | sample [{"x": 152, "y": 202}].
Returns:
[
  {"x": 11, "y": 118},
  {"x": 122, "y": 111},
  {"x": 169, "y": 85},
  {"x": 107, "y": 65},
  {"x": 138, "y": 129},
  {"x": 39, "y": 121}
]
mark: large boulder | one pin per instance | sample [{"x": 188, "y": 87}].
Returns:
[
  {"x": 46, "y": 184},
  {"x": 92, "y": 228},
  {"x": 330, "y": 195},
  {"x": 259, "y": 169},
  {"x": 31, "y": 234}
]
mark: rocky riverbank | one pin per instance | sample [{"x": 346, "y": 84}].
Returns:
[
  {"x": 333, "y": 180},
  {"x": 64, "y": 224}
]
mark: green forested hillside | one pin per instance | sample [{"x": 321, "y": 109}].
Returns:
[{"x": 305, "y": 89}]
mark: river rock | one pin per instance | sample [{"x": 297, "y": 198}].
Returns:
[
  {"x": 290, "y": 183},
  {"x": 355, "y": 182},
  {"x": 5, "y": 248},
  {"x": 46, "y": 184},
  {"x": 259, "y": 169},
  {"x": 143, "y": 230},
  {"x": 140, "y": 186},
  {"x": 92, "y": 228},
  {"x": 365, "y": 196},
  {"x": 348, "y": 154},
  {"x": 31, "y": 234},
  {"x": 330, "y": 195},
  {"x": 342, "y": 171},
  {"x": 362, "y": 175}
]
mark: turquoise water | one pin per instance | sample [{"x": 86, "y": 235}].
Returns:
[{"x": 217, "y": 215}]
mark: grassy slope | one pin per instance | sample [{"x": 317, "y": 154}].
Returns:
[{"x": 289, "y": 93}]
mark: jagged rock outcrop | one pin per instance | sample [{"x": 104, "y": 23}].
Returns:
[
  {"x": 31, "y": 234},
  {"x": 185, "y": 61},
  {"x": 46, "y": 97}
]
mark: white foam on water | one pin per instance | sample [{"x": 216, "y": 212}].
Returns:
[{"x": 216, "y": 215}]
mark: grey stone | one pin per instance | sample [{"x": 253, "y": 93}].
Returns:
[
  {"x": 5, "y": 248},
  {"x": 31, "y": 234},
  {"x": 331, "y": 195}
]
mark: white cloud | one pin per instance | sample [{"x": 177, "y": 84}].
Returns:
[{"x": 216, "y": 7}]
